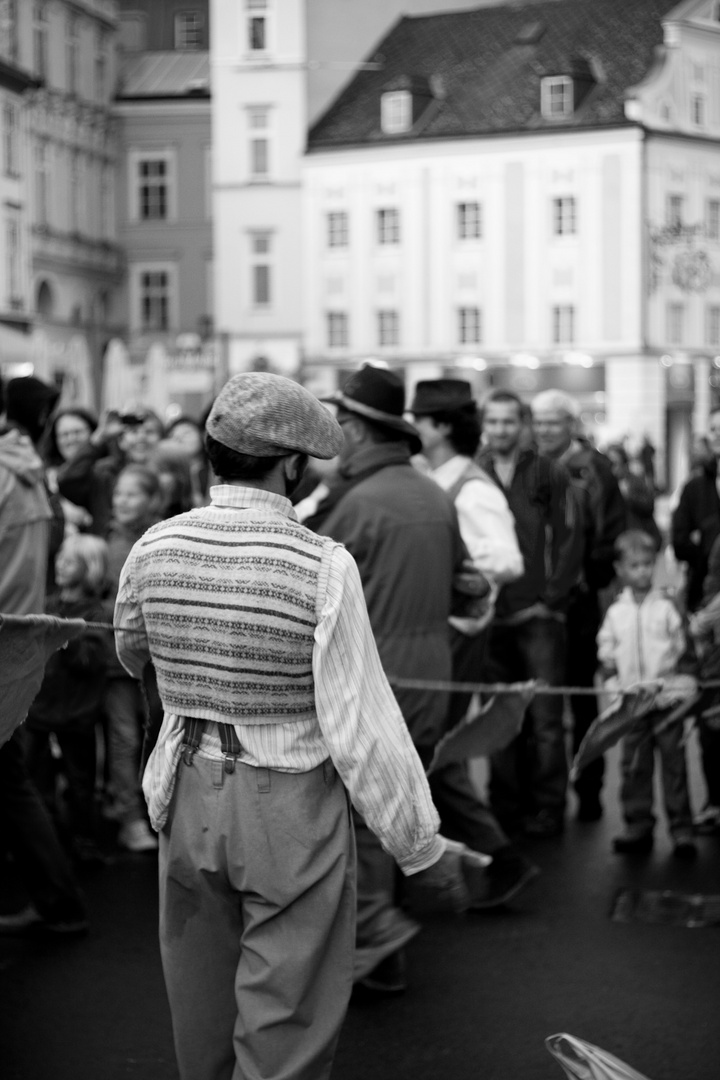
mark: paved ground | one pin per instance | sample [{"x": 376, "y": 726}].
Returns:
[{"x": 484, "y": 994}]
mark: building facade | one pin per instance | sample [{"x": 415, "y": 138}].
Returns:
[{"x": 540, "y": 214}]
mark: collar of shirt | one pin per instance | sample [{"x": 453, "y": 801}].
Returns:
[
  {"x": 241, "y": 498},
  {"x": 450, "y": 471}
]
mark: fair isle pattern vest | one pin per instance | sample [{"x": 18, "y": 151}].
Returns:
[{"x": 229, "y": 600}]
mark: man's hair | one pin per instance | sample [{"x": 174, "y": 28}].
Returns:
[
  {"x": 503, "y": 397},
  {"x": 556, "y": 401},
  {"x": 228, "y": 464},
  {"x": 634, "y": 542},
  {"x": 464, "y": 435}
]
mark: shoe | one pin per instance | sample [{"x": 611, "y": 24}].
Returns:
[
  {"x": 544, "y": 825},
  {"x": 136, "y": 836},
  {"x": 707, "y": 822},
  {"x": 684, "y": 847},
  {"x": 507, "y": 874},
  {"x": 589, "y": 808},
  {"x": 30, "y": 919},
  {"x": 388, "y": 977},
  {"x": 633, "y": 843}
]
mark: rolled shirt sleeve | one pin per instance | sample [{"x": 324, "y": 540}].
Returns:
[
  {"x": 131, "y": 643},
  {"x": 362, "y": 725}
]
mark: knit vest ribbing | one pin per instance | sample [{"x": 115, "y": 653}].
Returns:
[{"x": 229, "y": 600}]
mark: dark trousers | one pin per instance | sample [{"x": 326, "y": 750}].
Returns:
[
  {"x": 583, "y": 623},
  {"x": 463, "y": 815},
  {"x": 637, "y": 769},
  {"x": 31, "y": 838},
  {"x": 531, "y": 773},
  {"x": 78, "y": 764}
]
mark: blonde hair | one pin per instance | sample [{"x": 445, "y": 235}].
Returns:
[{"x": 93, "y": 553}]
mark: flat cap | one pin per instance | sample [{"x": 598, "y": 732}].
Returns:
[{"x": 268, "y": 415}]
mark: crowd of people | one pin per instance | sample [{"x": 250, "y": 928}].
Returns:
[{"x": 491, "y": 543}]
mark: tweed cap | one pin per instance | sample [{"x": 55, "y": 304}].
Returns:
[{"x": 268, "y": 415}]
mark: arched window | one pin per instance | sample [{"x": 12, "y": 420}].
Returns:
[{"x": 44, "y": 302}]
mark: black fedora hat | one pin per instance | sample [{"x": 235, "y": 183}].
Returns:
[
  {"x": 442, "y": 395},
  {"x": 378, "y": 395}
]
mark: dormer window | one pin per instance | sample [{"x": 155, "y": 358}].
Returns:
[
  {"x": 396, "y": 111},
  {"x": 557, "y": 97}
]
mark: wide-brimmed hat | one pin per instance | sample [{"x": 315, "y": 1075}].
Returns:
[
  {"x": 379, "y": 396},
  {"x": 440, "y": 396},
  {"x": 268, "y": 415}
]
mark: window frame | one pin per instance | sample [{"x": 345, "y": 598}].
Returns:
[
  {"x": 388, "y": 328},
  {"x": 564, "y": 324},
  {"x": 712, "y": 326},
  {"x": 469, "y": 324},
  {"x": 261, "y": 267},
  {"x": 337, "y": 225},
  {"x": 137, "y": 157},
  {"x": 257, "y": 16},
  {"x": 396, "y": 112},
  {"x": 548, "y": 85},
  {"x": 388, "y": 225},
  {"x": 41, "y": 29},
  {"x": 337, "y": 329},
  {"x": 179, "y": 29},
  {"x": 140, "y": 270},
  {"x": 469, "y": 226},
  {"x": 564, "y": 215},
  {"x": 674, "y": 207},
  {"x": 674, "y": 322},
  {"x": 712, "y": 219}
]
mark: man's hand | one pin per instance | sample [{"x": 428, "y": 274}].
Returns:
[{"x": 441, "y": 887}]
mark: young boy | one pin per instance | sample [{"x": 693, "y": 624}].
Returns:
[{"x": 641, "y": 640}]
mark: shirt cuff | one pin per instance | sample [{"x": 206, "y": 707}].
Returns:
[{"x": 424, "y": 858}]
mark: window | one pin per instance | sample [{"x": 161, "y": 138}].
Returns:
[
  {"x": 388, "y": 328},
  {"x": 556, "y": 97},
  {"x": 189, "y": 30},
  {"x": 469, "y": 221},
  {"x": 337, "y": 228},
  {"x": 697, "y": 109},
  {"x": 388, "y": 226},
  {"x": 42, "y": 214},
  {"x": 106, "y": 200},
  {"x": 101, "y": 66},
  {"x": 674, "y": 211},
  {"x": 259, "y": 158},
  {"x": 260, "y": 273},
  {"x": 337, "y": 329},
  {"x": 257, "y": 25},
  {"x": 154, "y": 300},
  {"x": 564, "y": 218},
  {"x": 9, "y": 30},
  {"x": 713, "y": 325},
  {"x": 469, "y": 326},
  {"x": 396, "y": 112},
  {"x": 40, "y": 40},
  {"x": 12, "y": 261},
  {"x": 76, "y": 200},
  {"x": 712, "y": 225},
  {"x": 153, "y": 186},
  {"x": 674, "y": 320},
  {"x": 10, "y": 139},
  {"x": 71, "y": 56},
  {"x": 563, "y": 324}
]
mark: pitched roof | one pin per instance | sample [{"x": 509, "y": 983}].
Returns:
[
  {"x": 486, "y": 64},
  {"x": 165, "y": 75}
]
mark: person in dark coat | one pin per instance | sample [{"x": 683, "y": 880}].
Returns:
[
  {"x": 696, "y": 521},
  {"x": 403, "y": 532},
  {"x": 555, "y": 418}
]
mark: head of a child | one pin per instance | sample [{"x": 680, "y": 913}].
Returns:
[
  {"x": 137, "y": 497},
  {"x": 635, "y": 555},
  {"x": 81, "y": 565}
]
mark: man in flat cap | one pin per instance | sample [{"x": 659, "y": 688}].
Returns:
[{"x": 276, "y": 707}]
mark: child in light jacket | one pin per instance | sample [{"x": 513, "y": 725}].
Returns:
[{"x": 641, "y": 640}]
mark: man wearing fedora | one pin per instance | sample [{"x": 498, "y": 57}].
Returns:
[
  {"x": 446, "y": 416},
  {"x": 403, "y": 532},
  {"x": 276, "y": 707}
]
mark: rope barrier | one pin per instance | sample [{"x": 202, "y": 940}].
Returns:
[{"x": 447, "y": 686}]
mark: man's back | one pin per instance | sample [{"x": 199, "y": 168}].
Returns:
[{"x": 24, "y": 527}]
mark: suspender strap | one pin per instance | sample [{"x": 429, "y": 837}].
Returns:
[
  {"x": 192, "y": 733},
  {"x": 230, "y": 746},
  {"x": 229, "y": 742}
]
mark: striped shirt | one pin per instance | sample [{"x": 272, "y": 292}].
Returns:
[{"x": 357, "y": 722}]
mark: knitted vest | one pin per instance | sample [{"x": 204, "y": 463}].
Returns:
[
  {"x": 229, "y": 600},
  {"x": 471, "y": 472}
]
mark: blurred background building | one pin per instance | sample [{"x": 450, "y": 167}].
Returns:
[{"x": 525, "y": 195}]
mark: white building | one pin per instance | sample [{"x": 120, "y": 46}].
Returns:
[{"x": 544, "y": 213}]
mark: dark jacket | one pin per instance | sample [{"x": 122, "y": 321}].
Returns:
[
  {"x": 88, "y": 480},
  {"x": 604, "y": 510},
  {"x": 695, "y": 527},
  {"x": 25, "y": 520},
  {"x": 72, "y": 689},
  {"x": 403, "y": 532},
  {"x": 550, "y": 533}
]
